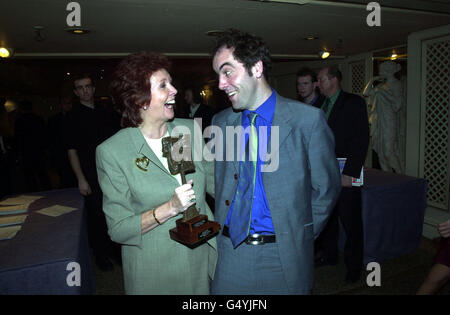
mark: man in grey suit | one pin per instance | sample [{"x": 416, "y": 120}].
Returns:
[{"x": 269, "y": 220}]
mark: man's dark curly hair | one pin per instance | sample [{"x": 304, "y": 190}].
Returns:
[{"x": 248, "y": 49}]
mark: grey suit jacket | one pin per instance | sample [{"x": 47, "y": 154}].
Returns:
[{"x": 301, "y": 192}]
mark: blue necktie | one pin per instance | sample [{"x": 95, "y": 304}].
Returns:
[{"x": 239, "y": 224}]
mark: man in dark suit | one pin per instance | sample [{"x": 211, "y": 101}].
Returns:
[
  {"x": 347, "y": 117},
  {"x": 271, "y": 214},
  {"x": 307, "y": 87}
]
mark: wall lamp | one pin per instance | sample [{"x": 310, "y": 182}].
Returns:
[
  {"x": 5, "y": 52},
  {"x": 324, "y": 54}
]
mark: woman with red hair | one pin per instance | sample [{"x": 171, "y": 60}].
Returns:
[{"x": 142, "y": 200}]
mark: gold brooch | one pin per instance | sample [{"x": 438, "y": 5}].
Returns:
[{"x": 142, "y": 163}]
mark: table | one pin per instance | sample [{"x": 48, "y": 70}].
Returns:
[
  {"x": 393, "y": 210},
  {"x": 42, "y": 258}
]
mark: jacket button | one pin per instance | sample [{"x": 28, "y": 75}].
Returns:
[
  {"x": 236, "y": 176},
  {"x": 227, "y": 202}
]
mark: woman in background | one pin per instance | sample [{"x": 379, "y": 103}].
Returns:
[{"x": 440, "y": 271}]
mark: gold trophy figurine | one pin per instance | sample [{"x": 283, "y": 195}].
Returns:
[{"x": 193, "y": 229}]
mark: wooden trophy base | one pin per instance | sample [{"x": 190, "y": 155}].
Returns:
[{"x": 195, "y": 231}]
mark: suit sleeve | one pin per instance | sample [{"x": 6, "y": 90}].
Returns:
[
  {"x": 124, "y": 225},
  {"x": 325, "y": 175},
  {"x": 209, "y": 169},
  {"x": 359, "y": 140},
  {"x": 203, "y": 153}
]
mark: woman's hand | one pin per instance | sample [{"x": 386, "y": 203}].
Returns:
[{"x": 183, "y": 198}]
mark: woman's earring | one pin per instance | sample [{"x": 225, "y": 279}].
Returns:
[{"x": 145, "y": 107}]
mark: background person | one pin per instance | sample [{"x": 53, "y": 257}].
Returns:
[
  {"x": 439, "y": 273},
  {"x": 347, "y": 117},
  {"x": 31, "y": 143},
  {"x": 307, "y": 87},
  {"x": 86, "y": 126},
  {"x": 197, "y": 109}
]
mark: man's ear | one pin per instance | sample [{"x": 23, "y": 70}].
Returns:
[
  {"x": 258, "y": 69},
  {"x": 335, "y": 80}
]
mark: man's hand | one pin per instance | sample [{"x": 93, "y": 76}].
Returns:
[
  {"x": 346, "y": 180},
  {"x": 444, "y": 228},
  {"x": 84, "y": 187}
]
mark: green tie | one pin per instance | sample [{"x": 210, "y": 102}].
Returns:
[
  {"x": 253, "y": 144},
  {"x": 326, "y": 107}
]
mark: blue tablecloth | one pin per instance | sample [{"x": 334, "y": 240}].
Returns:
[
  {"x": 393, "y": 210},
  {"x": 36, "y": 260},
  {"x": 393, "y": 213}
]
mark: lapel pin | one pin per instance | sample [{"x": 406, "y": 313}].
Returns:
[{"x": 142, "y": 163}]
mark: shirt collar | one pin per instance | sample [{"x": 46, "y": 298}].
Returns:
[
  {"x": 264, "y": 111},
  {"x": 334, "y": 97}
]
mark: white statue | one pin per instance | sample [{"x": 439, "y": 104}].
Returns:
[{"x": 385, "y": 102}]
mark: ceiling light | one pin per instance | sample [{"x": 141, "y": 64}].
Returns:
[
  {"x": 10, "y": 106},
  {"x": 324, "y": 54},
  {"x": 310, "y": 37},
  {"x": 77, "y": 30},
  {"x": 5, "y": 52}
]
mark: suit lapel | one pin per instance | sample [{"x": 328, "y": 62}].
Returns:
[
  {"x": 143, "y": 149},
  {"x": 281, "y": 118},
  {"x": 336, "y": 107}
]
